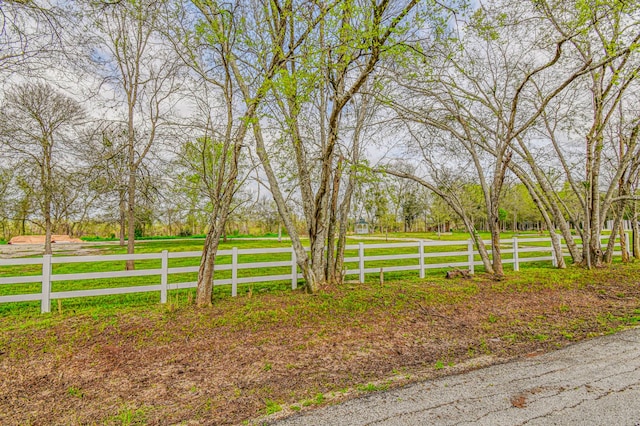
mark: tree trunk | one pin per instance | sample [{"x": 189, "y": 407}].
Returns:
[
  {"x": 550, "y": 194},
  {"x": 345, "y": 208},
  {"x": 333, "y": 275},
  {"x": 123, "y": 217},
  {"x": 536, "y": 196},
  {"x": 557, "y": 248},
  {"x": 47, "y": 223},
  {"x": 131, "y": 217},
  {"x": 636, "y": 232},
  {"x": 302, "y": 259},
  {"x": 482, "y": 249},
  {"x": 204, "y": 290},
  {"x": 593, "y": 230},
  {"x": 623, "y": 243},
  {"x": 318, "y": 261},
  {"x": 493, "y": 210},
  {"x": 496, "y": 256},
  {"x": 46, "y": 186},
  {"x": 608, "y": 254}
]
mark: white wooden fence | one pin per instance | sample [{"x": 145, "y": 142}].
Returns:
[{"x": 522, "y": 250}]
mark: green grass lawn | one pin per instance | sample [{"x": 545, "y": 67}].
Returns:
[{"x": 373, "y": 247}]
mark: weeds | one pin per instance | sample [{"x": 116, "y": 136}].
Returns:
[
  {"x": 370, "y": 387},
  {"x": 272, "y": 406},
  {"x": 128, "y": 416},
  {"x": 75, "y": 391}
]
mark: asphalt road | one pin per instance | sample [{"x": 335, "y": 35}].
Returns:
[{"x": 595, "y": 382}]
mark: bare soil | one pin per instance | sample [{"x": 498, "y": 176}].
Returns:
[
  {"x": 263, "y": 353},
  {"x": 9, "y": 251}
]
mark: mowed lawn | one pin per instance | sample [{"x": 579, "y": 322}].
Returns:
[
  {"x": 273, "y": 351},
  {"x": 375, "y": 246}
]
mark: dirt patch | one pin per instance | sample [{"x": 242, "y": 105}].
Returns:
[
  {"x": 9, "y": 251},
  {"x": 252, "y": 356}
]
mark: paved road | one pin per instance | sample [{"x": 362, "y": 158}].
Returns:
[{"x": 596, "y": 382}]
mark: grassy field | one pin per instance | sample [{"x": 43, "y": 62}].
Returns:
[
  {"x": 195, "y": 245},
  {"x": 273, "y": 351}
]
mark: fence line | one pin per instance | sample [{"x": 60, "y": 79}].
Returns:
[{"x": 47, "y": 261}]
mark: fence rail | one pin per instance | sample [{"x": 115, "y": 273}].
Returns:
[{"x": 521, "y": 250}]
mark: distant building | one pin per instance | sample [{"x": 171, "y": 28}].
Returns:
[{"x": 362, "y": 226}]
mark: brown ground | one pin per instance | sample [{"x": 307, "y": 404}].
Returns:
[
  {"x": 244, "y": 358},
  {"x": 9, "y": 251}
]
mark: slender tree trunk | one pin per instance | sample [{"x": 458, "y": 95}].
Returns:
[
  {"x": 623, "y": 190},
  {"x": 46, "y": 180},
  {"x": 204, "y": 290},
  {"x": 482, "y": 249},
  {"x": 607, "y": 257},
  {"x": 549, "y": 194},
  {"x": 131, "y": 216},
  {"x": 226, "y": 186},
  {"x": 595, "y": 244},
  {"x": 132, "y": 95},
  {"x": 536, "y": 196},
  {"x": 333, "y": 275},
  {"x": 123, "y": 218},
  {"x": 302, "y": 258},
  {"x": 623, "y": 243},
  {"x": 345, "y": 208},
  {"x": 596, "y": 254},
  {"x": 496, "y": 255},
  {"x": 47, "y": 222},
  {"x": 493, "y": 210},
  {"x": 635, "y": 227}
]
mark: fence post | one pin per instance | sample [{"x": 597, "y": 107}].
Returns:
[
  {"x": 294, "y": 269},
  {"x": 516, "y": 258},
  {"x": 164, "y": 276},
  {"x": 421, "y": 248},
  {"x": 234, "y": 272},
  {"x": 45, "y": 306},
  {"x": 470, "y": 251},
  {"x": 627, "y": 244},
  {"x": 554, "y": 261},
  {"x": 361, "y": 256}
]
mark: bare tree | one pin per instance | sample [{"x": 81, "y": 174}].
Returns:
[
  {"x": 142, "y": 74},
  {"x": 491, "y": 92},
  {"x": 37, "y": 121},
  {"x": 341, "y": 68},
  {"x": 105, "y": 154},
  {"x": 28, "y": 30},
  {"x": 221, "y": 53},
  {"x": 608, "y": 48}
]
